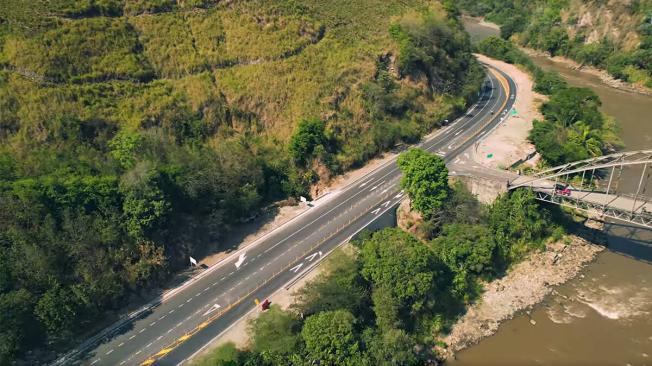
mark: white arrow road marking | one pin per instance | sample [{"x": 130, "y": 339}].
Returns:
[
  {"x": 450, "y": 147},
  {"x": 212, "y": 309},
  {"x": 296, "y": 268},
  {"x": 241, "y": 260},
  {"x": 386, "y": 204},
  {"x": 441, "y": 153},
  {"x": 376, "y": 211},
  {"x": 312, "y": 256},
  {"x": 399, "y": 195}
]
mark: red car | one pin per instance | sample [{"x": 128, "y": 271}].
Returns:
[{"x": 562, "y": 190}]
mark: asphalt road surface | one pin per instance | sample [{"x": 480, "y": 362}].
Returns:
[{"x": 177, "y": 328}]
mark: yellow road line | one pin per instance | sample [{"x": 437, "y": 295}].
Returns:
[
  {"x": 192, "y": 332},
  {"x": 503, "y": 82}
]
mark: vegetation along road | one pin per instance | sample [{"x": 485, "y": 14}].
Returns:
[{"x": 176, "y": 328}]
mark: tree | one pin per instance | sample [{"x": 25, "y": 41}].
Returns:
[
  {"x": 144, "y": 204},
  {"x": 340, "y": 288},
  {"x": 331, "y": 339},
  {"x": 16, "y": 323},
  {"x": 518, "y": 223},
  {"x": 308, "y": 135},
  {"x": 391, "y": 347},
  {"x": 571, "y": 105},
  {"x": 274, "y": 331},
  {"x": 405, "y": 269},
  {"x": 57, "y": 309},
  {"x": 469, "y": 251},
  {"x": 425, "y": 179}
]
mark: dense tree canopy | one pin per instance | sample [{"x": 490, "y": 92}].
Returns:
[
  {"x": 331, "y": 338},
  {"x": 553, "y": 26},
  {"x": 136, "y": 133},
  {"x": 425, "y": 179}
]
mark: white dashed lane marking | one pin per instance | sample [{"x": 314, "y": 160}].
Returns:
[
  {"x": 111, "y": 351},
  {"x": 152, "y": 323},
  {"x": 94, "y": 362},
  {"x": 121, "y": 344},
  {"x": 142, "y": 330},
  {"x": 132, "y": 337}
]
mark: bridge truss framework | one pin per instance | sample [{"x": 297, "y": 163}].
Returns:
[{"x": 633, "y": 208}]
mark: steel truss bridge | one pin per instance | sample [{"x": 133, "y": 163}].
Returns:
[{"x": 585, "y": 182}]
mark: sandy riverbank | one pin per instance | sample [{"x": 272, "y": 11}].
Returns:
[{"x": 507, "y": 144}]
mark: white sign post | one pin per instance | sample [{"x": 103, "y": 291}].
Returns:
[
  {"x": 303, "y": 199},
  {"x": 193, "y": 261}
]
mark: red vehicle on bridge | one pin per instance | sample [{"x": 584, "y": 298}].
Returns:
[{"x": 562, "y": 190}]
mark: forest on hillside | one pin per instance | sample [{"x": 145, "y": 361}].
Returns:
[
  {"x": 136, "y": 132},
  {"x": 615, "y": 35}
]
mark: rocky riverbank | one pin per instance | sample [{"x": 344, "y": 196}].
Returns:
[{"x": 525, "y": 285}]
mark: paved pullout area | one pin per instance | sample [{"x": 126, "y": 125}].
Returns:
[{"x": 184, "y": 320}]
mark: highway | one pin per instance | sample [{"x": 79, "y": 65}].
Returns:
[{"x": 178, "y": 327}]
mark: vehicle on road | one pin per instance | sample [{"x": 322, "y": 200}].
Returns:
[{"x": 562, "y": 190}]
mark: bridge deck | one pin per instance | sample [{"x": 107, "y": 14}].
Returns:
[{"x": 612, "y": 201}]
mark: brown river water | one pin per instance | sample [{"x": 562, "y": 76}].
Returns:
[{"x": 604, "y": 316}]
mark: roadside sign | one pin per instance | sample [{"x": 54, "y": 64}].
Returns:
[
  {"x": 193, "y": 261},
  {"x": 490, "y": 155}
]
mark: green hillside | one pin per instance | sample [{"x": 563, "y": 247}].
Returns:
[
  {"x": 615, "y": 35},
  {"x": 136, "y": 132}
]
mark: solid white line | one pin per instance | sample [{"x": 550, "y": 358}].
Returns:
[{"x": 232, "y": 325}]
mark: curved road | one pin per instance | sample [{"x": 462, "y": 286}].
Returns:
[{"x": 176, "y": 328}]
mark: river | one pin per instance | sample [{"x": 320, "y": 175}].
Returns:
[{"x": 604, "y": 316}]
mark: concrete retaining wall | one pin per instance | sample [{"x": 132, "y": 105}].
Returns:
[{"x": 486, "y": 190}]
